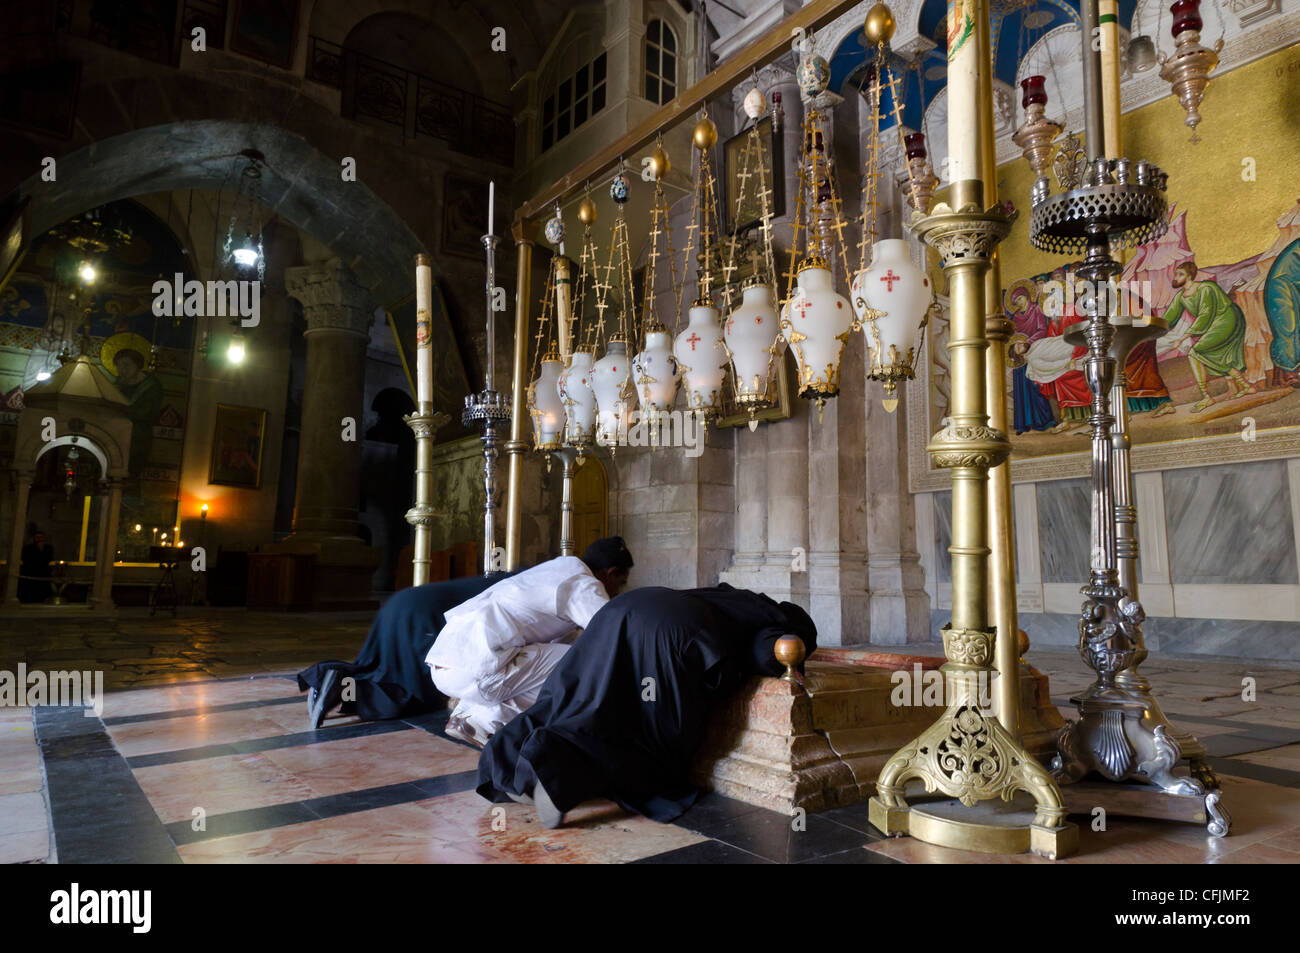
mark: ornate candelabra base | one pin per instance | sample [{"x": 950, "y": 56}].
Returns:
[
  {"x": 491, "y": 411},
  {"x": 1121, "y": 733}
]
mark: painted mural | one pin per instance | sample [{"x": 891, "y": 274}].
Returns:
[
  {"x": 1224, "y": 381},
  {"x": 1232, "y": 349}
]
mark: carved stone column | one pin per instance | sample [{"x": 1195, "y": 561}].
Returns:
[
  {"x": 338, "y": 311},
  {"x": 25, "y": 478},
  {"x": 101, "y": 595}
]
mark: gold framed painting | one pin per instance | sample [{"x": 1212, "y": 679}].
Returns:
[
  {"x": 750, "y": 211},
  {"x": 238, "y": 442}
]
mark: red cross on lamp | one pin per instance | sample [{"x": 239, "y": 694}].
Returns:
[{"x": 892, "y": 300}]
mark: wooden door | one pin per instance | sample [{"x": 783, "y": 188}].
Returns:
[{"x": 590, "y": 504}]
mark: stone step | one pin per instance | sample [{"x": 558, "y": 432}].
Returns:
[{"x": 782, "y": 746}]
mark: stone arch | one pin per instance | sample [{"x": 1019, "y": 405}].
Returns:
[
  {"x": 110, "y": 453},
  {"x": 79, "y": 441},
  {"x": 300, "y": 184}
]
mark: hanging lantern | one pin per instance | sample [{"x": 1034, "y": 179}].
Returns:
[
  {"x": 1188, "y": 69},
  {"x": 656, "y": 372},
  {"x": 579, "y": 400},
  {"x": 554, "y": 230},
  {"x": 1141, "y": 54},
  {"x": 751, "y": 336},
  {"x": 701, "y": 357},
  {"x": 618, "y": 188},
  {"x": 609, "y": 379},
  {"x": 892, "y": 300},
  {"x": 922, "y": 178},
  {"x": 755, "y": 103},
  {"x": 545, "y": 406},
  {"x": 813, "y": 75},
  {"x": 1036, "y": 135},
  {"x": 816, "y": 321}
]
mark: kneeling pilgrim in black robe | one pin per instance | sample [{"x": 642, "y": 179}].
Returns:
[
  {"x": 391, "y": 679},
  {"x": 624, "y": 713}
]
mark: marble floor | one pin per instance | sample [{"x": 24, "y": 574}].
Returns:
[{"x": 201, "y": 755}]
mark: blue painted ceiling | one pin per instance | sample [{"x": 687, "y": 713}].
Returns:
[{"x": 1016, "y": 26}]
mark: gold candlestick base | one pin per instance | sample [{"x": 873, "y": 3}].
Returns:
[{"x": 426, "y": 422}]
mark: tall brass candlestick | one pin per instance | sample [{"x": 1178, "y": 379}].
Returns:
[
  {"x": 967, "y": 754},
  {"x": 425, "y": 422}
]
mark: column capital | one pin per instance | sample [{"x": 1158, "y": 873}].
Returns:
[{"x": 332, "y": 298}]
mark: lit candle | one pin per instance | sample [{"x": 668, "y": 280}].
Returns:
[
  {"x": 423, "y": 344},
  {"x": 492, "y": 201}
]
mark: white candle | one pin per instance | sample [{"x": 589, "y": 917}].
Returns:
[
  {"x": 423, "y": 343},
  {"x": 492, "y": 201},
  {"x": 963, "y": 91}
]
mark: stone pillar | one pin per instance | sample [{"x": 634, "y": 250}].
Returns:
[
  {"x": 900, "y": 606},
  {"x": 338, "y": 311},
  {"x": 25, "y": 478},
  {"x": 101, "y": 595}
]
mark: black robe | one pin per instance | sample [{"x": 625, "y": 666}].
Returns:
[
  {"x": 624, "y": 712},
  {"x": 392, "y": 680}
]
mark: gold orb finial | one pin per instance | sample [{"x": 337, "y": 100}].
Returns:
[
  {"x": 659, "y": 163},
  {"x": 705, "y": 134},
  {"x": 587, "y": 211},
  {"x": 789, "y": 651},
  {"x": 879, "y": 25}
]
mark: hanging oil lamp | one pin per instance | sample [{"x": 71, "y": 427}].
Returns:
[
  {"x": 699, "y": 348},
  {"x": 1187, "y": 70}
]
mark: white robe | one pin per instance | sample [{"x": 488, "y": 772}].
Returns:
[{"x": 471, "y": 658}]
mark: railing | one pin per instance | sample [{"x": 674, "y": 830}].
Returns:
[{"x": 416, "y": 104}]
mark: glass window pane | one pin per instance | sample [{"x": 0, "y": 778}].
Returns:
[
  {"x": 562, "y": 126},
  {"x": 566, "y": 93},
  {"x": 669, "y": 92},
  {"x": 579, "y": 112},
  {"x": 598, "y": 99},
  {"x": 652, "y": 89},
  {"x": 598, "y": 70},
  {"x": 669, "y": 72},
  {"x": 652, "y": 31},
  {"x": 652, "y": 61},
  {"x": 580, "y": 82},
  {"x": 548, "y": 109},
  {"x": 670, "y": 41},
  {"x": 548, "y": 137}
]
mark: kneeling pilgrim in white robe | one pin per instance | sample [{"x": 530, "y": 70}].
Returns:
[{"x": 497, "y": 649}]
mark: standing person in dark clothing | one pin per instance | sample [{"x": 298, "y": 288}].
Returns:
[
  {"x": 34, "y": 570},
  {"x": 624, "y": 713}
]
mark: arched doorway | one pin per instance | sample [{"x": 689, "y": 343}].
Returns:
[{"x": 590, "y": 503}]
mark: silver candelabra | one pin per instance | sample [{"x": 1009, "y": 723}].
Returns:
[{"x": 491, "y": 411}]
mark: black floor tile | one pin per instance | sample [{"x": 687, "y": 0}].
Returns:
[
  {"x": 240, "y": 822},
  {"x": 854, "y": 816},
  {"x": 705, "y": 852},
  {"x": 857, "y": 855},
  {"x": 775, "y": 837},
  {"x": 99, "y": 813},
  {"x": 448, "y": 784},
  {"x": 210, "y": 710},
  {"x": 1256, "y": 772},
  {"x": 711, "y": 812},
  {"x": 1224, "y": 746},
  {"x": 256, "y": 745}
]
